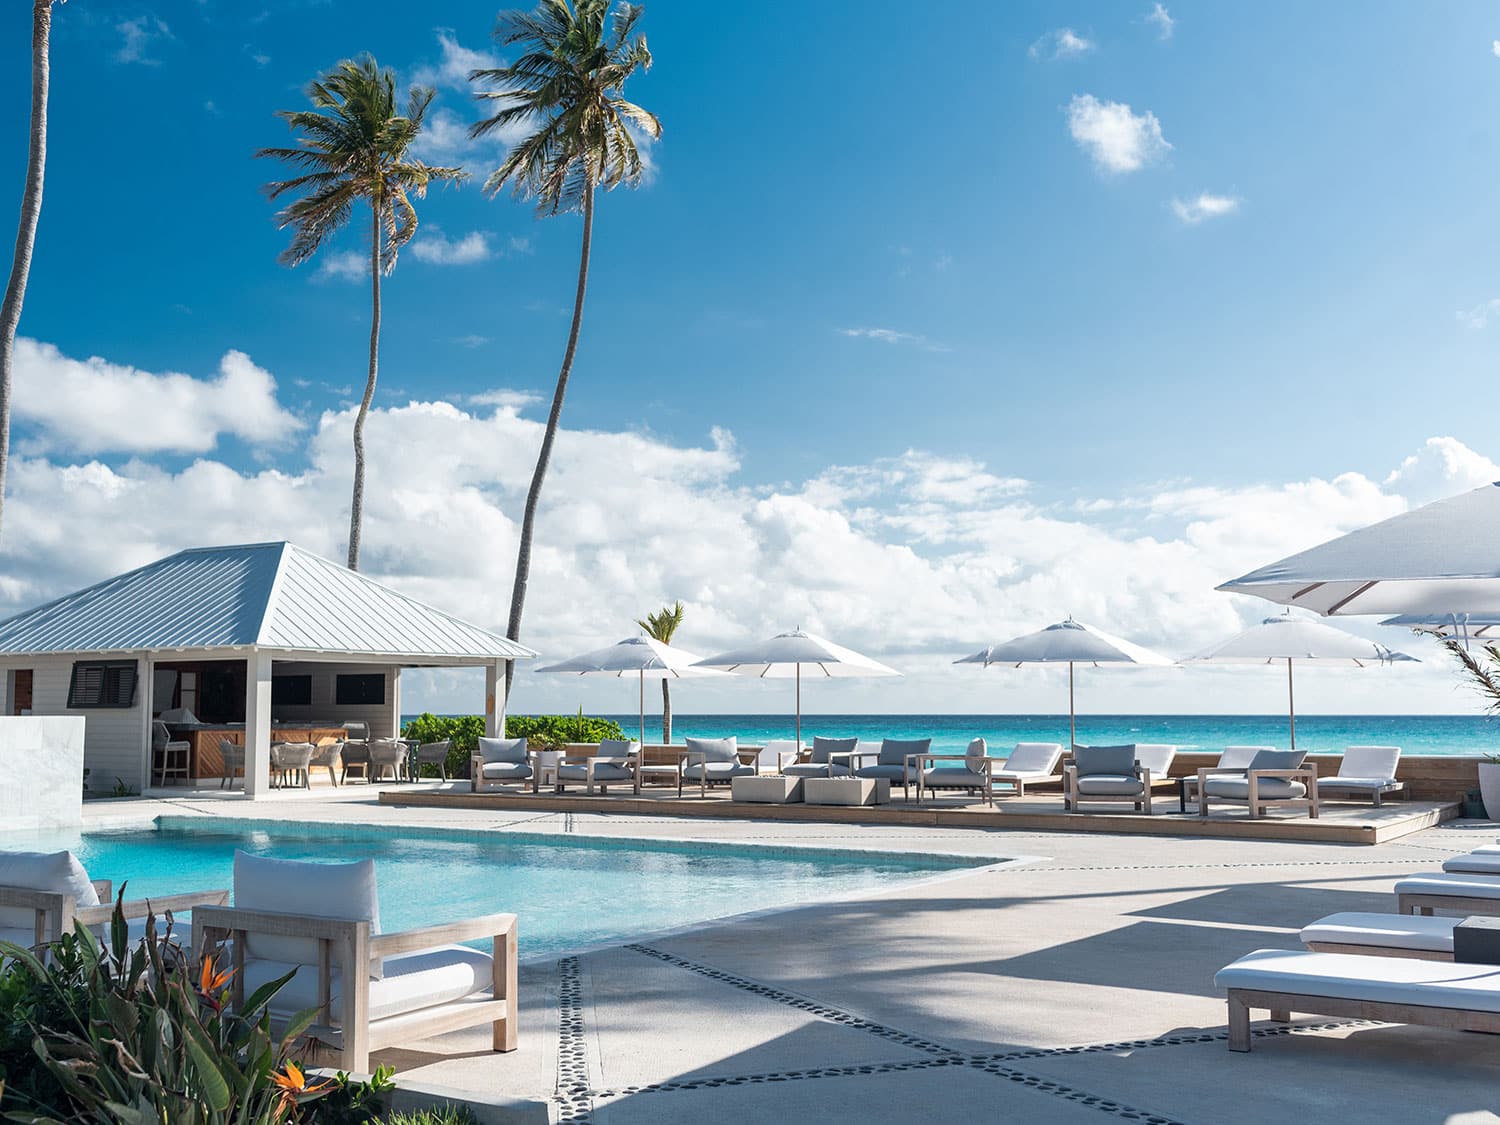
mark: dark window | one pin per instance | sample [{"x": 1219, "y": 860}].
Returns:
[
  {"x": 352, "y": 691},
  {"x": 102, "y": 684},
  {"x": 291, "y": 691}
]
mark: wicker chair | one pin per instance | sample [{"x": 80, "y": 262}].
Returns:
[
  {"x": 433, "y": 754},
  {"x": 233, "y": 754},
  {"x": 290, "y": 762},
  {"x": 387, "y": 754}
]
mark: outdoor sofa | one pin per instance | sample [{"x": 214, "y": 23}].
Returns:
[
  {"x": 896, "y": 761},
  {"x": 617, "y": 763},
  {"x": 714, "y": 761},
  {"x": 1274, "y": 777},
  {"x": 821, "y": 760},
  {"x": 496, "y": 761},
  {"x": 1116, "y": 774}
]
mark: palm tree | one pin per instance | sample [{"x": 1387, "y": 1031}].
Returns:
[
  {"x": 31, "y": 212},
  {"x": 662, "y": 626},
  {"x": 355, "y": 144},
  {"x": 567, "y": 83}
]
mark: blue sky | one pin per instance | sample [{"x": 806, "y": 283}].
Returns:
[{"x": 1115, "y": 255}]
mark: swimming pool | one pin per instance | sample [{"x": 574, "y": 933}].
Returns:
[{"x": 570, "y": 891}]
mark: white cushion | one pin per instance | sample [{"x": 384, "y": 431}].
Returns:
[
  {"x": 977, "y": 751},
  {"x": 618, "y": 747},
  {"x": 1352, "y": 976},
  {"x": 1155, "y": 757},
  {"x": 320, "y": 890},
  {"x": 1369, "y": 761},
  {"x": 412, "y": 981},
  {"x": 1240, "y": 757},
  {"x": 1392, "y": 931},
  {"x": 1235, "y": 788},
  {"x": 503, "y": 770},
  {"x": 1486, "y": 849},
  {"x": 1363, "y": 784},
  {"x": 1467, "y": 885},
  {"x": 1109, "y": 785},
  {"x": 1030, "y": 758},
  {"x": 57, "y": 873},
  {"x": 1473, "y": 864},
  {"x": 712, "y": 749}
]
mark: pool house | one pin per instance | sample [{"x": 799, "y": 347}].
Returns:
[{"x": 250, "y": 644}]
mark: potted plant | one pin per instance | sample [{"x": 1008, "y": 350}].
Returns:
[{"x": 1483, "y": 674}]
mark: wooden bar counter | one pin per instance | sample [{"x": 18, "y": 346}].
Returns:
[{"x": 205, "y": 760}]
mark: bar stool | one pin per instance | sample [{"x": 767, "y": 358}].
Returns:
[{"x": 168, "y": 758}]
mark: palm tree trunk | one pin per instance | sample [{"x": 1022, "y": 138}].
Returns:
[
  {"x": 31, "y": 211},
  {"x": 544, "y": 458},
  {"x": 357, "y": 502},
  {"x": 666, "y": 711}
]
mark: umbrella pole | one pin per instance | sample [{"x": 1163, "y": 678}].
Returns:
[
  {"x": 799, "y": 707},
  {"x": 641, "y": 673},
  {"x": 1291, "y": 704},
  {"x": 1072, "y": 714}
]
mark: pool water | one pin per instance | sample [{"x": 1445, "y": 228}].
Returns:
[{"x": 569, "y": 891}]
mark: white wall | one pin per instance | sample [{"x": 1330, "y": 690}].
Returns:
[
  {"x": 323, "y": 709},
  {"x": 41, "y": 772},
  {"x": 115, "y": 740}
]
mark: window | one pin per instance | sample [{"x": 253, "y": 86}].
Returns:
[
  {"x": 102, "y": 684},
  {"x": 291, "y": 691},
  {"x": 352, "y": 691}
]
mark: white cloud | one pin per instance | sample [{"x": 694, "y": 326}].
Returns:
[
  {"x": 1495, "y": 48},
  {"x": 435, "y": 249},
  {"x": 1481, "y": 314},
  {"x": 472, "y": 340},
  {"x": 1117, "y": 139},
  {"x": 455, "y": 64},
  {"x": 1159, "y": 16},
  {"x": 137, "y": 36},
  {"x": 93, "y": 406},
  {"x": 344, "y": 265},
  {"x": 892, "y": 336},
  {"x": 1205, "y": 206},
  {"x": 1064, "y": 43},
  {"x": 915, "y": 558}
]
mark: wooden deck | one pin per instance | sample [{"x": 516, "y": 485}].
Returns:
[{"x": 1340, "y": 822}]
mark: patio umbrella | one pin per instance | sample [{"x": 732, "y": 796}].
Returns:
[
  {"x": 1430, "y": 560},
  {"x": 1068, "y": 642},
  {"x": 642, "y": 657},
  {"x": 1290, "y": 639},
  {"x": 1463, "y": 626},
  {"x": 786, "y": 654}
]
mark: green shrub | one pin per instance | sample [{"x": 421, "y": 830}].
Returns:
[
  {"x": 446, "y": 1115},
  {"x": 463, "y": 731}
]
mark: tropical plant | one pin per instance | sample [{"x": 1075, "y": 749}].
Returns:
[
  {"x": 662, "y": 626},
  {"x": 355, "y": 144},
  {"x": 463, "y": 732},
  {"x": 31, "y": 213},
  {"x": 1483, "y": 675},
  {"x": 566, "y": 87}
]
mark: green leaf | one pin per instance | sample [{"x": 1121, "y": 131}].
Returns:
[{"x": 215, "y": 1089}]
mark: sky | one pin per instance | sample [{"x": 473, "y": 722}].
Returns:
[{"x": 919, "y": 335}]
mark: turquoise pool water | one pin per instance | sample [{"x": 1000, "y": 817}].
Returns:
[{"x": 569, "y": 891}]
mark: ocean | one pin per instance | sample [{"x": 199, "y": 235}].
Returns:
[{"x": 1415, "y": 734}]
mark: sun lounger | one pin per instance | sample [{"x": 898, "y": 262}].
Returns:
[
  {"x": 1366, "y": 770},
  {"x": 1468, "y": 894},
  {"x": 1382, "y": 935},
  {"x": 371, "y": 990},
  {"x": 1475, "y": 863},
  {"x": 1391, "y": 989},
  {"x": 1029, "y": 761}
]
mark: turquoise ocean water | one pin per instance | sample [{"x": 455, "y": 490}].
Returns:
[{"x": 1415, "y": 734}]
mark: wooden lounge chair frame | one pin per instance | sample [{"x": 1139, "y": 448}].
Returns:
[
  {"x": 1072, "y": 798},
  {"x": 1281, "y": 1005},
  {"x": 57, "y": 914},
  {"x": 1426, "y": 904},
  {"x": 632, "y": 762},
  {"x": 345, "y": 945},
  {"x": 1257, "y": 804}
]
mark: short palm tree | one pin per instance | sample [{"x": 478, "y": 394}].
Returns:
[
  {"x": 662, "y": 626},
  {"x": 355, "y": 144},
  {"x": 567, "y": 87},
  {"x": 31, "y": 213}
]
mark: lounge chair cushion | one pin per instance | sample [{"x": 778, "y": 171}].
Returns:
[
  {"x": 1235, "y": 788},
  {"x": 1239, "y": 757},
  {"x": 822, "y": 747},
  {"x": 893, "y": 751},
  {"x": 1352, "y": 976},
  {"x": 977, "y": 751},
  {"x": 1388, "y": 931},
  {"x": 1361, "y": 762},
  {"x": 1109, "y": 760},
  {"x": 412, "y": 981},
  {"x": 1278, "y": 760},
  {"x": 618, "y": 747},
  {"x": 505, "y": 771},
  {"x": 953, "y": 777},
  {"x": 320, "y": 890},
  {"x": 713, "y": 749},
  {"x": 511, "y": 750},
  {"x": 889, "y": 772},
  {"x": 1360, "y": 784},
  {"x": 1110, "y": 785},
  {"x": 55, "y": 872},
  {"x": 724, "y": 771},
  {"x": 814, "y": 769},
  {"x": 1473, "y": 865},
  {"x": 1156, "y": 757},
  {"x": 603, "y": 771},
  {"x": 1456, "y": 884},
  {"x": 1030, "y": 759}
]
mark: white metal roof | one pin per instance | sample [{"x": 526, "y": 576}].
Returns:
[{"x": 272, "y": 596}]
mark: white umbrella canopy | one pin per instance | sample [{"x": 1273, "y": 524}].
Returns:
[
  {"x": 786, "y": 654},
  {"x": 1464, "y": 626},
  {"x": 1289, "y": 639},
  {"x": 1426, "y": 561},
  {"x": 642, "y": 657},
  {"x": 1068, "y": 642}
]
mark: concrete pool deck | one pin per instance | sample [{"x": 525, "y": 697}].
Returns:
[{"x": 1055, "y": 991}]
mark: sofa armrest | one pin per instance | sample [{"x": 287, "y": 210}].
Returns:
[
  {"x": 442, "y": 933},
  {"x": 104, "y": 888},
  {"x": 228, "y": 919},
  {"x": 139, "y": 908}
]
